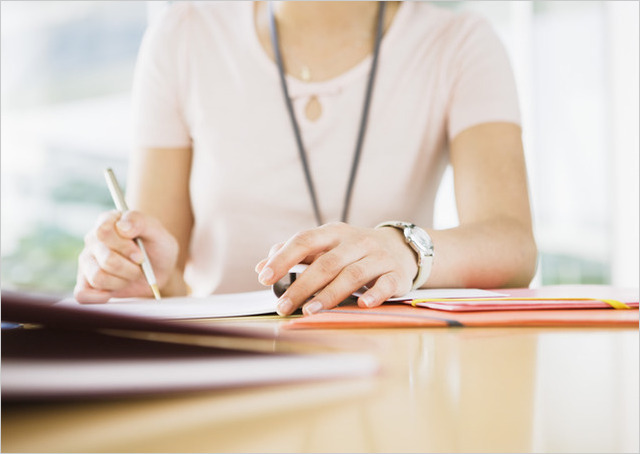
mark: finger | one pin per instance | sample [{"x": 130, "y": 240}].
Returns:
[
  {"x": 386, "y": 286},
  {"x": 295, "y": 251},
  {"x": 261, "y": 265},
  {"x": 113, "y": 263},
  {"x": 275, "y": 248},
  {"x": 106, "y": 233},
  {"x": 108, "y": 216},
  {"x": 91, "y": 296},
  {"x": 350, "y": 279},
  {"x": 84, "y": 293},
  {"x": 320, "y": 273},
  {"x": 96, "y": 276}
]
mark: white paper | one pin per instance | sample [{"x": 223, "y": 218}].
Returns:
[
  {"x": 213, "y": 306},
  {"x": 441, "y": 293}
]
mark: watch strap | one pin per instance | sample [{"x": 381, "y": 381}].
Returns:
[{"x": 424, "y": 251}]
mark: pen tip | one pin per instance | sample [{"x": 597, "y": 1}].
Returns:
[{"x": 156, "y": 291}]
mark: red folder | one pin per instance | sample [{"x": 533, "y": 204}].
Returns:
[
  {"x": 403, "y": 315},
  {"x": 549, "y": 297}
]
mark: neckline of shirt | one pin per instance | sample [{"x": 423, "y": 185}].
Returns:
[{"x": 300, "y": 88}]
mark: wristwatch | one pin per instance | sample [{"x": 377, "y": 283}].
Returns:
[{"x": 420, "y": 241}]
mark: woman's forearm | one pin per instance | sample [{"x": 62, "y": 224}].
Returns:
[{"x": 490, "y": 254}]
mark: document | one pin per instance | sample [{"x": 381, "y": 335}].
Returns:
[
  {"x": 447, "y": 293},
  {"x": 213, "y": 306}
]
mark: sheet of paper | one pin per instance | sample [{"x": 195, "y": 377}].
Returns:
[
  {"x": 214, "y": 306},
  {"x": 437, "y": 293}
]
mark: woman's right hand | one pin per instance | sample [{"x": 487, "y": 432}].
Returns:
[{"x": 109, "y": 264}]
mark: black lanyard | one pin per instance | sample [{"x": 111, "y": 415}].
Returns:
[{"x": 363, "y": 120}]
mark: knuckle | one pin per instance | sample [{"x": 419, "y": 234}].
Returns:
[
  {"x": 112, "y": 261},
  {"x": 391, "y": 282},
  {"x": 366, "y": 242},
  {"x": 355, "y": 273},
  {"x": 275, "y": 248},
  {"x": 329, "y": 297},
  {"x": 140, "y": 221},
  {"x": 303, "y": 239},
  {"x": 298, "y": 293},
  {"x": 84, "y": 261},
  {"x": 335, "y": 225},
  {"x": 329, "y": 263},
  {"x": 103, "y": 232},
  {"x": 98, "y": 278}
]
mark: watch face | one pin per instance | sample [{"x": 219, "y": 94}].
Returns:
[{"x": 422, "y": 240}]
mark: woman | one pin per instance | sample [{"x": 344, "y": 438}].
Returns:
[{"x": 247, "y": 117}]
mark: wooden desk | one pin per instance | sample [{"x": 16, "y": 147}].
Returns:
[{"x": 440, "y": 390}]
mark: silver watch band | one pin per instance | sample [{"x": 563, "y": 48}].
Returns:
[{"x": 421, "y": 243}]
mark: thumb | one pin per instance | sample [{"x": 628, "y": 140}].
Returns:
[
  {"x": 135, "y": 224},
  {"x": 132, "y": 224}
]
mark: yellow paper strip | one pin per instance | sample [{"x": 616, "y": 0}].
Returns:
[{"x": 613, "y": 303}]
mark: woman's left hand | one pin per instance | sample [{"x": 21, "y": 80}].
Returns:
[{"x": 342, "y": 258}]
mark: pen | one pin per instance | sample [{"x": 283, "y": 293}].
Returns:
[{"x": 121, "y": 205}]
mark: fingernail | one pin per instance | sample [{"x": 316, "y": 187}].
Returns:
[
  {"x": 284, "y": 306},
  {"x": 312, "y": 307},
  {"x": 265, "y": 275},
  {"x": 125, "y": 226},
  {"x": 368, "y": 300},
  {"x": 137, "y": 257}
]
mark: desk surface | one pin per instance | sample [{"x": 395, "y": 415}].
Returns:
[{"x": 439, "y": 390}]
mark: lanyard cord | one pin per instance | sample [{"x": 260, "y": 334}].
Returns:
[{"x": 363, "y": 119}]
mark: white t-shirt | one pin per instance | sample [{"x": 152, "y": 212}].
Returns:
[{"x": 204, "y": 81}]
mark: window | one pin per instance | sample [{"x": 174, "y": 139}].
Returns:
[
  {"x": 66, "y": 75},
  {"x": 576, "y": 66}
]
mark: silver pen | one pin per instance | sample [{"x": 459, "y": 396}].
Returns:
[{"x": 121, "y": 205}]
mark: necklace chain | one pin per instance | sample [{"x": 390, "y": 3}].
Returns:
[
  {"x": 363, "y": 119},
  {"x": 304, "y": 69}
]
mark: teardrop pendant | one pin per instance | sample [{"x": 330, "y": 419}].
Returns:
[{"x": 313, "y": 109}]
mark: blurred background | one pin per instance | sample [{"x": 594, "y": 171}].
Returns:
[{"x": 67, "y": 69}]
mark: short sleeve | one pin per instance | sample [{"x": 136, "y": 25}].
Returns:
[
  {"x": 483, "y": 86},
  {"x": 158, "y": 114}
]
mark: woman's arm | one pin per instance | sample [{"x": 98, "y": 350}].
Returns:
[
  {"x": 158, "y": 186},
  {"x": 492, "y": 247}
]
